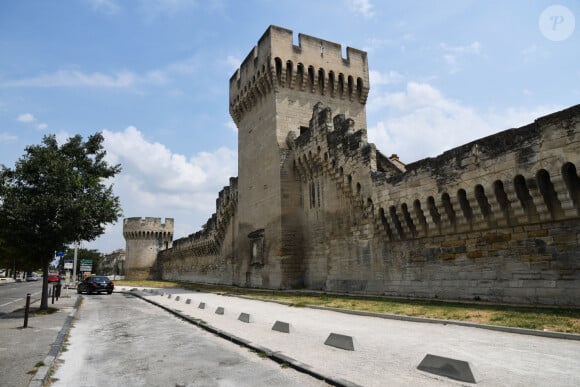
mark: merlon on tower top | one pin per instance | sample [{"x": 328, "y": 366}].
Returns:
[{"x": 314, "y": 65}]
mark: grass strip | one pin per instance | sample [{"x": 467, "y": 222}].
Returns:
[{"x": 565, "y": 320}]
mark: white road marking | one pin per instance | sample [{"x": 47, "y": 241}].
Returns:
[{"x": 11, "y": 302}]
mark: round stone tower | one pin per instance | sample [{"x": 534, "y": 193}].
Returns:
[{"x": 144, "y": 238}]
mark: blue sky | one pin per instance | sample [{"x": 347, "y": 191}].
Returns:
[{"x": 153, "y": 76}]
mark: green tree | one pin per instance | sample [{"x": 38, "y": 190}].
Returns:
[
  {"x": 11, "y": 260},
  {"x": 56, "y": 195},
  {"x": 92, "y": 254}
]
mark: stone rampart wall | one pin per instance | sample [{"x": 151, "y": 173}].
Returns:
[
  {"x": 205, "y": 256},
  {"x": 496, "y": 219}
]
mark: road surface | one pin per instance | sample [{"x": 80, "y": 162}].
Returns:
[
  {"x": 13, "y": 295},
  {"x": 119, "y": 340}
]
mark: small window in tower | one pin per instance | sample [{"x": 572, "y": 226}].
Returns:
[{"x": 257, "y": 247}]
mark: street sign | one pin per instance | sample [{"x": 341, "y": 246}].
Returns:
[
  {"x": 68, "y": 264},
  {"x": 60, "y": 253},
  {"x": 86, "y": 265}
]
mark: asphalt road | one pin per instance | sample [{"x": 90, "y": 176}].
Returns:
[
  {"x": 118, "y": 340},
  {"x": 13, "y": 295}
]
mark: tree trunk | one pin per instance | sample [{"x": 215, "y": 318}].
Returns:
[{"x": 44, "y": 298}]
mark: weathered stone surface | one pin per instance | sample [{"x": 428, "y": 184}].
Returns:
[
  {"x": 316, "y": 206},
  {"x": 144, "y": 238}
]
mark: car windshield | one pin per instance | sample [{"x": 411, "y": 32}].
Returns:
[{"x": 100, "y": 279}]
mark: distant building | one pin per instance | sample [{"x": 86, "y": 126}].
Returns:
[{"x": 113, "y": 263}]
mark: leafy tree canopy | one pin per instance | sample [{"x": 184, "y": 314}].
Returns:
[{"x": 56, "y": 195}]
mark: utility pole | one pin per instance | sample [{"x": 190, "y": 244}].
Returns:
[{"x": 74, "y": 275}]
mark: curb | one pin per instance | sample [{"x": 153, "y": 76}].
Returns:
[
  {"x": 276, "y": 356},
  {"x": 499, "y": 328},
  {"x": 519, "y": 331},
  {"x": 42, "y": 374}
]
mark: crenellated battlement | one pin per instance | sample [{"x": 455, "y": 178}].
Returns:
[
  {"x": 207, "y": 241},
  {"x": 147, "y": 227},
  {"x": 314, "y": 66},
  {"x": 317, "y": 206}
]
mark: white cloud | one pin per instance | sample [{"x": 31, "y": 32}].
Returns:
[
  {"x": 7, "y": 137},
  {"x": 233, "y": 62},
  {"x": 387, "y": 78},
  {"x": 362, "y": 7},
  {"x": 26, "y": 118},
  {"x": 533, "y": 53},
  {"x": 109, "y": 7},
  {"x": 473, "y": 48},
  {"x": 116, "y": 80},
  {"x": 185, "y": 67},
  {"x": 75, "y": 78},
  {"x": 153, "y": 8},
  {"x": 421, "y": 122},
  {"x": 231, "y": 125},
  {"x": 453, "y": 54},
  {"x": 157, "y": 182},
  {"x": 29, "y": 118},
  {"x": 62, "y": 136}
]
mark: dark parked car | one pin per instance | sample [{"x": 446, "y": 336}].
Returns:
[{"x": 96, "y": 284}]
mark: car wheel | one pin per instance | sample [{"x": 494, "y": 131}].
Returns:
[
  {"x": 79, "y": 291},
  {"x": 110, "y": 292}
]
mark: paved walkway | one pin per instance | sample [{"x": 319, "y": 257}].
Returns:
[
  {"x": 26, "y": 355},
  {"x": 386, "y": 351}
]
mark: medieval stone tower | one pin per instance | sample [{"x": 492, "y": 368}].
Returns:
[
  {"x": 316, "y": 206},
  {"x": 144, "y": 238},
  {"x": 272, "y": 96}
]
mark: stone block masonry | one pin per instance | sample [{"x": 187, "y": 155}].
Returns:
[
  {"x": 316, "y": 206},
  {"x": 144, "y": 238}
]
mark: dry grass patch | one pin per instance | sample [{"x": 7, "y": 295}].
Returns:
[{"x": 552, "y": 319}]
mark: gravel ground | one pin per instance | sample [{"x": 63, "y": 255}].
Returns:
[{"x": 386, "y": 352}]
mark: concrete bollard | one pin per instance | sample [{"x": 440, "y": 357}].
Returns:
[
  {"x": 281, "y": 326},
  {"x": 447, "y": 367},
  {"x": 26, "y": 309},
  {"x": 340, "y": 341}
]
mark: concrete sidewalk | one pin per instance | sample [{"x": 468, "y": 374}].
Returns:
[
  {"x": 27, "y": 355},
  {"x": 386, "y": 351}
]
